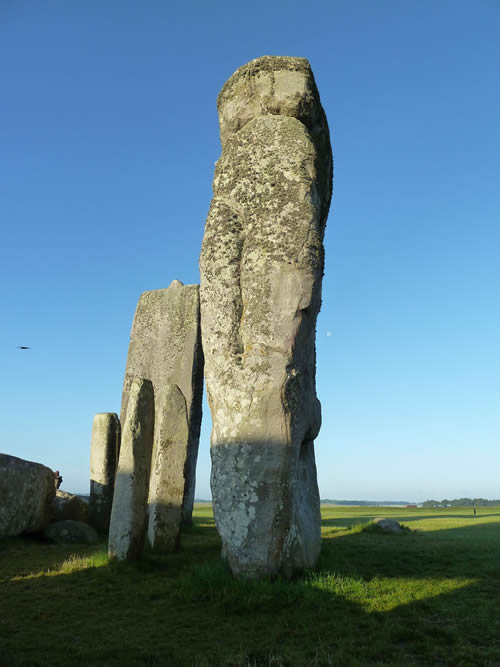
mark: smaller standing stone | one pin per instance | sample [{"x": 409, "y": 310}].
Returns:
[
  {"x": 128, "y": 514},
  {"x": 104, "y": 448},
  {"x": 170, "y": 453},
  {"x": 165, "y": 347}
]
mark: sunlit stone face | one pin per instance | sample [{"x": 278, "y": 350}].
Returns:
[
  {"x": 274, "y": 90},
  {"x": 261, "y": 266}
]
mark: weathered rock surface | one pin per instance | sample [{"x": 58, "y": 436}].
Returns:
[
  {"x": 165, "y": 347},
  {"x": 104, "y": 450},
  {"x": 67, "y": 506},
  {"x": 71, "y": 532},
  {"x": 27, "y": 490},
  {"x": 166, "y": 486},
  {"x": 388, "y": 525},
  {"x": 261, "y": 267},
  {"x": 129, "y": 511}
]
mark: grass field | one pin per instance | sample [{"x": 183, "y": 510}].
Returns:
[{"x": 430, "y": 596}]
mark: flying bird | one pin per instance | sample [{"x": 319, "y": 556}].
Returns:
[{"x": 23, "y": 347}]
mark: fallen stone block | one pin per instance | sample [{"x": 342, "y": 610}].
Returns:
[
  {"x": 71, "y": 532},
  {"x": 388, "y": 525},
  {"x": 27, "y": 490},
  {"x": 66, "y": 507}
]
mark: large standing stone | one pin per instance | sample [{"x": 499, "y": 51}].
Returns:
[
  {"x": 165, "y": 347},
  {"x": 104, "y": 449},
  {"x": 166, "y": 486},
  {"x": 27, "y": 490},
  {"x": 128, "y": 515},
  {"x": 261, "y": 267}
]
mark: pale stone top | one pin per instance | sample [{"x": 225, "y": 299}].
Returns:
[
  {"x": 278, "y": 86},
  {"x": 164, "y": 339},
  {"x": 275, "y": 85}
]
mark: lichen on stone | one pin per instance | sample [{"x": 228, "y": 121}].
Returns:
[{"x": 261, "y": 266}]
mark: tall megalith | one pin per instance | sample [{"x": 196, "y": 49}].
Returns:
[
  {"x": 129, "y": 512},
  {"x": 261, "y": 267},
  {"x": 165, "y": 347},
  {"x": 104, "y": 449}
]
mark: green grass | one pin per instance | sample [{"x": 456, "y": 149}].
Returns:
[{"x": 429, "y": 596}]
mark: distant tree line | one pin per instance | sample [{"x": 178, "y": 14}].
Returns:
[
  {"x": 460, "y": 502},
  {"x": 367, "y": 503}
]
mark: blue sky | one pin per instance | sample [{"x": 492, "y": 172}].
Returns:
[{"x": 109, "y": 135}]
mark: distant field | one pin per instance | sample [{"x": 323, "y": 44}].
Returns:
[{"x": 427, "y": 597}]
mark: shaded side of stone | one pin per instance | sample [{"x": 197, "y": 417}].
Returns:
[
  {"x": 170, "y": 453},
  {"x": 67, "y": 506},
  {"x": 129, "y": 511},
  {"x": 27, "y": 490},
  {"x": 70, "y": 531},
  {"x": 194, "y": 412},
  {"x": 165, "y": 347},
  {"x": 261, "y": 267},
  {"x": 104, "y": 450}
]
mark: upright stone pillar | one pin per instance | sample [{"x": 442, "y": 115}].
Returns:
[
  {"x": 165, "y": 347},
  {"x": 261, "y": 268},
  {"x": 104, "y": 448},
  {"x": 166, "y": 485},
  {"x": 128, "y": 515}
]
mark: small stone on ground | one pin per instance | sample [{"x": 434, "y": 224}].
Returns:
[{"x": 388, "y": 525}]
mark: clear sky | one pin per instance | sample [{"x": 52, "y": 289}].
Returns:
[{"x": 109, "y": 134}]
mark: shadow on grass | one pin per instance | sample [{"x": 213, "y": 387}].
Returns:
[
  {"x": 123, "y": 614},
  {"x": 21, "y": 556},
  {"x": 456, "y": 552},
  {"x": 349, "y": 521}
]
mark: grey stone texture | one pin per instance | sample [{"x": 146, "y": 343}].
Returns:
[
  {"x": 165, "y": 347},
  {"x": 388, "y": 525},
  {"x": 27, "y": 490},
  {"x": 66, "y": 507},
  {"x": 129, "y": 512},
  {"x": 166, "y": 485},
  {"x": 104, "y": 450},
  {"x": 69, "y": 531},
  {"x": 261, "y": 267}
]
